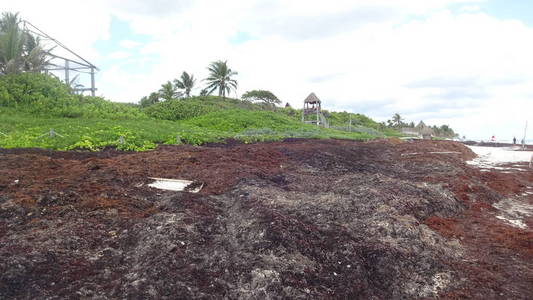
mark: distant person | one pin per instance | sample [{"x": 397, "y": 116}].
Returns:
[
  {"x": 514, "y": 140},
  {"x": 493, "y": 139}
]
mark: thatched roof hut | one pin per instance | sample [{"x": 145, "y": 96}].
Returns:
[{"x": 312, "y": 99}]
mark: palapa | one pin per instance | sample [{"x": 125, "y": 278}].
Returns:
[{"x": 312, "y": 98}]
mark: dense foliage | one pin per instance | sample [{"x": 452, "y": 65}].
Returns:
[
  {"x": 442, "y": 131},
  {"x": 186, "y": 83},
  {"x": 31, "y": 104},
  {"x": 220, "y": 78},
  {"x": 146, "y": 101},
  {"x": 344, "y": 118},
  {"x": 169, "y": 91},
  {"x": 226, "y": 121},
  {"x": 175, "y": 110},
  {"x": 29, "y": 88},
  {"x": 19, "y": 50},
  {"x": 261, "y": 95},
  {"x": 195, "y": 106},
  {"x": 47, "y": 96}
]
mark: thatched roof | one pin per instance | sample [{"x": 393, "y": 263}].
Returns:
[{"x": 312, "y": 98}]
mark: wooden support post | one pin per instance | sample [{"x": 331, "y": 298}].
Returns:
[
  {"x": 52, "y": 132},
  {"x": 317, "y": 117},
  {"x": 178, "y": 139},
  {"x": 121, "y": 140}
]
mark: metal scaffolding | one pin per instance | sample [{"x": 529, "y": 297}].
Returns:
[{"x": 76, "y": 63}]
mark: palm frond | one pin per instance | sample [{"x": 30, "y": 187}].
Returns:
[
  {"x": 212, "y": 90},
  {"x": 220, "y": 78}
]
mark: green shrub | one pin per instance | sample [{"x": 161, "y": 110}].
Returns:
[
  {"x": 240, "y": 120},
  {"x": 28, "y": 88},
  {"x": 184, "y": 109},
  {"x": 97, "y": 107},
  {"x": 45, "y": 95},
  {"x": 341, "y": 119},
  {"x": 177, "y": 110},
  {"x": 31, "y": 104}
]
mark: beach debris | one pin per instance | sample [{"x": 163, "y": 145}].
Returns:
[
  {"x": 424, "y": 226},
  {"x": 178, "y": 185}
]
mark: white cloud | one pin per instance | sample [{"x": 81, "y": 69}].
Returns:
[
  {"x": 119, "y": 55},
  {"x": 129, "y": 44},
  {"x": 471, "y": 8}
]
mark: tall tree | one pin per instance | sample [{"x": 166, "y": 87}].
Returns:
[
  {"x": 149, "y": 100},
  {"x": 168, "y": 91},
  {"x": 186, "y": 82},
  {"x": 36, "y": 58},
  {"x": 220, "y": 77},
  {"x": 260, "y": 95},
  {"x": 19, "y": 50},
  {"x": 397, "y": 120}
]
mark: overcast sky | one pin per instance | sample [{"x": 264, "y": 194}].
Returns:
[{"x": 468, "y": 64}]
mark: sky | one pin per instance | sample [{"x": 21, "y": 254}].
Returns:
[{"x": 464, "y": 63}]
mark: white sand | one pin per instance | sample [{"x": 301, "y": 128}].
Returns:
[
  {"x": 512, "y": 211},
  {"x": 492, "y": 157}
]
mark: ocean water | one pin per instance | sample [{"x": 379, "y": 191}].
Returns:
[{"x": 503, "y": 141}]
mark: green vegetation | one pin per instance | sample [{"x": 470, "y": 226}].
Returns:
[
  {"x": 267, "y": 97},
  {"x": 226, "y": 121},
  {"x": 168, "y": 91},
  {"x": 397, "y": 123},
  {"x": 46, "y": 96},
  {"x": 220, "y": 77},
  {"x": 19, "y": 50},
  {"x": 183, "y": 109},
  {"x": 31, "y": 104},
  {"x": 186, "y": 82},
  {"x": 149, "y": 100}
]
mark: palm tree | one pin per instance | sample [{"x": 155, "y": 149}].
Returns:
[
  {"x": 168, "y": 91},
  {"x": 11, "y": 43},
  {"x": 220, "y": 78},
  {"x": 36, "y": 58},
  {"x": 397, "y": 120},
  {"x": 19, "y": 50},
  {"x": 203, "y": 92},
  {"x": 149, "y": 100},
  {"x": 186, "y": 83}
]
